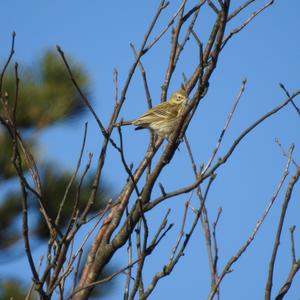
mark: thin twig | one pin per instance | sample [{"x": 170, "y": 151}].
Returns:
[
  {"x": 239, "y": 9},
  {"x": 238, "y": 29},
  {"x": 242, "y": 89},
  {"x": 167, "y": 268},
  {"x": 11, "y": 53},
  {"x": 171, "y": 22},
  {"x": 212, "y": 6},
  {"x": 111, "y": 276},
  {"x": 76, "y": 272},
  {"x": 292, "y": 230},
  {"x": 115, "y": 81},
  {"x": 173, "y": 51},
  {"x": 28, "y": 296},
  {"x": 144, "y": 77},
  {"x": 222, "y": 160},
  {"x": 287, "y": 284},
  {"x": 216, "y": 251},
  {"x": 128, "y": 276},
  {"x": 72, "y": 179},
  {"x": 277, "y": 141},
  {"x": 288, "y": 94},
  {"x": 146, "y": 251},
  {"x": 183, "y": 222},
  {"x": 244, "y": 247},
  {"x": 83, "y": 97},
  {"x": 287, "y": 198},
  {"x": 17, "y": 79}
]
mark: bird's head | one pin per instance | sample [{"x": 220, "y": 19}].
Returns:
[{"x": 179, "y": 97}]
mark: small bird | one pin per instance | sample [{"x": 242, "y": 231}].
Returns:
[{"x": 163, "y": 118}]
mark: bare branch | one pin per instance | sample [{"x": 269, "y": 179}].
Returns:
[
  {"x": 239, "y": 9},
  {"x": 12, "y": 51},
  {"x": 286, "y": 286},
  {"x": 277, "y": 141},
  {"x": 115, "y": 81},
  {"x": 62, "y": 203},
  {"x": 212, "y": 6},
  {"x": 287, "y": 198},
  {"x": 238, "y": 29},
  {"x": 173, "y": 51},
  {"x": 288, "y": 95},
  {"x": 239, "y": 253},
  {"x": 225, "y": 126},
  {"x": 83, "y": 97},
  {"x": 144, "y": 76},
  {"x": 292, "y": 230},
  {"x": 181, "y": 232}
]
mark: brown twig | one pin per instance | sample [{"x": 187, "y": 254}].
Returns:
[
  {"x": 238, "y": 29},
  {"x": 28, "y": 296},
  {"x": 204, "y": 215},
  {"x": 222, "y": 160},
  {"x": 129, "y": 270},
  {"x": 183, "y": 222},
  {"x": 244, "y": 247},
  {"x": 83, "y": 97},
  {"x": 115, "y": 81},
  {"x": 287, "y": 198},
  {"x": 242, "y": 89},
  {"x": 72, "y": 179},
  {"x": 288, "y": 95},
  {"x": 212, "y": 6},
  {"x": 292, "y": 230},
  {"x": 287, "y": 284},
  {"x": 216, "y": 252},
  {"x": 11, "y": 53},
  {"x": 144, "y": 77},
  {"x": 239, "y": 9},
  {"x": 167, "y": 268},
  {"x": 145, "y": 251},
  {"x": 277, "y": 141},
  {"x": 122, "y": 270},
  {"x": 173, "y": 51},
  {"x": 92, "y": 268}
]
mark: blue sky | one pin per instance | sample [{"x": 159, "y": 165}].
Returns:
[{"x": 97, "y": 34}]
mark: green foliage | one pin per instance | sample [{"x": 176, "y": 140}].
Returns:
[
  {"x": 46, "y": 94},
  {"x": 54, "y": 187},
  {"x": 54, "y": 183},
  {"x": 6, "y": 168},
  {"x": 9, "y": 212},
  {"x": 13, "y": 289}
]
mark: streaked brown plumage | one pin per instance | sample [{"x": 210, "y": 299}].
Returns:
[{"x": 163, "y": 118}]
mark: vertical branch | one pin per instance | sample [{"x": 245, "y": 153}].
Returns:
[
  {"x": 204, "y": 215},
  {"x": 174, "y": 46},
  {"x": 216, "y": 251},
  {"x": 96, "y": 262},
  {"x": 12, "y": 51},
  {"x": 62, "y": 203},
  {"x": 244, "y": 247},
  {"x": 287, "y": 198},
  {"x": 128, "y": 276},
  {"x": 17, "y": 162},
  {"x": 144, "y": 77}
]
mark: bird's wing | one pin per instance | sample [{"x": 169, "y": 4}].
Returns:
[{"x": 162, "y": 111}]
